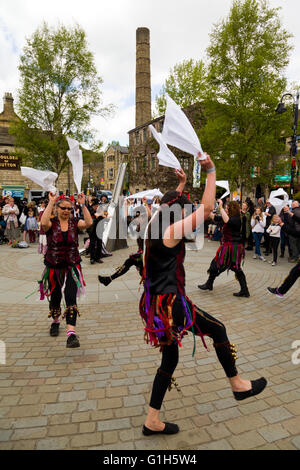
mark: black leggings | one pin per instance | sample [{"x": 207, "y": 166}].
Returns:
[
  {"x": 209, "y": 326},
  {"x": 274, "y": 244},
  {"x": 69, "y": 294}
]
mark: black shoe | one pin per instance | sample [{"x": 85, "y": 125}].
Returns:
[
  {"x": 104, "y": 280},
  {"x": 266, "y": 253},
  {"x": 205, "y": 287},
  {"x": 242, "y": 293},
  {"x": 170, "y": 428},
  {"x": 106, "y": 255},
  {"x": 281, "y": 256},
  {"x": 92, "y": 261},
  {"x": 257, "y": 387},
  {"x": 99, "y": 261},
  {"x": 72, "y": 342},
  {"x": 54, "y": 329},
  {"x": 249, "y": 248},
  {"x": 274, "y": 290}
]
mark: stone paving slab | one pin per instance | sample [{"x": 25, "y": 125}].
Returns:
[{"x": 96, "y": 397}]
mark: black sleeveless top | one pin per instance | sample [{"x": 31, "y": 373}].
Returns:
[{"x": 165, "y": 270}]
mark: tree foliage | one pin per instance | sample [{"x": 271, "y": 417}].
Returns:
[
  {"x": 248, "y": 54},
  {"x": 239, "y": 90},
  {"x": 59, "y": 94},
  {"x": 186, "y": 84}
]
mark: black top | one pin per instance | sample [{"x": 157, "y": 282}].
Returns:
[
  {"x": 165, "y": 270},
  {"x": 232, "y": 230}
]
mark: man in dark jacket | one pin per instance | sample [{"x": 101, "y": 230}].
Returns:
[
  {"x": 295, "y": 271},
  {"x": 269, "y": 212},
  {"x": 294, "y": 225}
]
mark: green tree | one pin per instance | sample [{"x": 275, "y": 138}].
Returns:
[
  {"x": 59, "y": 94},
  {"x": 186, "y": 84},
  {"x": 248, "y": 54}
]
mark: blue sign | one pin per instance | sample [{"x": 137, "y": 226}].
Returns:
[{"x": 13, "y": 192}]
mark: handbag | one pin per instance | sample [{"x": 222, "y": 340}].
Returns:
[{"x": 22, "y": 219}]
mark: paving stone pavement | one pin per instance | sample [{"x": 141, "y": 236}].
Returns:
[{"x": 96, "y": 397}]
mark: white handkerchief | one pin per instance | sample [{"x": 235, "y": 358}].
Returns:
[
  {"x": 75, "y": 157},
  {"x": 43, "y": 178},
  {"x": 179, "y": 132},
  {"x": 223, "y": 184},
  {"x": 150, "y": 193},
  {"x": 279, "y": 204},
  {"x": 165, "y": 156}
]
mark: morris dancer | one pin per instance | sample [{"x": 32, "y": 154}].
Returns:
[
  {"x": 63, "y": 274},
  {"x": 136, "y": 259},
  {"x": 231, "y": 252},
  {"x": 167, "y": 312}
]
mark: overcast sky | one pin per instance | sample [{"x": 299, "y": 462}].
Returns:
[{"x": 178, "y": 30}]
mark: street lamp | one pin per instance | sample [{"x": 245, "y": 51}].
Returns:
[{"x": 282, "y": 109}]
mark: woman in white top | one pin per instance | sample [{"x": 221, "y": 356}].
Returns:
[
  {"x": 10, "y": 212},
  {"x": 258, "y": 223},
  {"x": 274, "y": 231}
]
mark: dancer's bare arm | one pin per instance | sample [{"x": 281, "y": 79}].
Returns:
[
  {"x": 45, "y": 220},
  {"x": 184, "y": 227},
  {"x": 88, "y": 221}
]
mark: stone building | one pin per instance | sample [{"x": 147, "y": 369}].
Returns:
[
  {"x": 11, "y": 180},
  {"x": 113, "y": 157},
  {"x": 143, "y": 168}
]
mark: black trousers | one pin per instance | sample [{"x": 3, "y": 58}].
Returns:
[
  {"x": 214, "y": 272},
  {"x": 95, "y": 247},
  {"x": 290, "y": 279},
  {"x": 69, "y": 294},
  {"x": 209, "y": 326},
  {"x": 274, "y": 244}
]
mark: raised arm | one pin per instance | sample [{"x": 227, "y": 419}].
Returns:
[
  {"x": 45, "y": 220},
  {"x": 184, "y": 227},
  {"x": 88, "y": 221},
  {"x": 224, "y": 215},
  {"x": 182, "y": 180}
]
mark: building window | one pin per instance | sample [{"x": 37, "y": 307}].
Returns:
[
  {"x": 137, "y": 137},
  {"x": 137, "y": 166},
  {"x": 145, "y": 134},
  {"x": 145, "y": 165},
  {"x": 110, "y": 173}
]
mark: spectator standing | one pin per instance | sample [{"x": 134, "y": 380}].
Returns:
[
  {"x": 269, "y": 212},
  {"x": 246, "y": 223},
  {"x": 251, "y": 209},
  {"x": 274, "y": 230},
  {"x": 295, "y": 227},
  {"x": 10, "y": 212},
  {"x": 31, "y": 226},
  {"x": 258, "y": 223},
  {"x": 284, "y": 237}
]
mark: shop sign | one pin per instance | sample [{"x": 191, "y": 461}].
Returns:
[{"x": 9, "y": 162}]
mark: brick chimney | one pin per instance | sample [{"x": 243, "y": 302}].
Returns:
[
  {"x": 8, "y": 104},
  {"x": 143, "y": 77}
]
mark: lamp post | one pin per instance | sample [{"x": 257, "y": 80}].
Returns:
[{"x": 282, "y": 109}]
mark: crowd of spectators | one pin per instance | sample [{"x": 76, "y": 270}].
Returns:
[{"x": 263, "y": 228}]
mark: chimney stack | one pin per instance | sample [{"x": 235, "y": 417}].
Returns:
[
  {"x": 143, "y": 77},
  {"x": 8, "y": 104}
]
